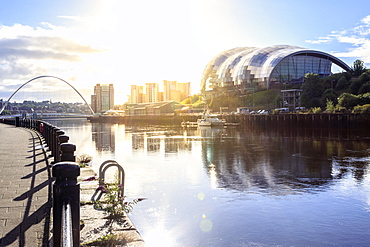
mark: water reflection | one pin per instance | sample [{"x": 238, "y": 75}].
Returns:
[
  {"x": 281, "y": 162},
  {"x": 240, "y": 187},
  {"x": 274, "y": 161},
  {"x": 103, "y": 135}
]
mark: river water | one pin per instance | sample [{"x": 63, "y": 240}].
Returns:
[{"x": 238, "y": 187}]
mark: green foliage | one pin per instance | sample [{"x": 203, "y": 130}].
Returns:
[
  {"x": 84, "y": 160},
  {"x": 109, "y": 240},
  {"x": 355, "y": 86},
  {"x": 329, "y": 94},
  {"x": 342, "y": 84},
  {"x": 330, "y": 106},
  {"x": 192, "y": 100},
  {"x": 350, "y": 100},
  {"x": 266, "y": 99},
  {"x": 347, "y": 100},
  {"x": 364, "y": 88},
  {"x": 364, "y": 78},
  {"x": 362, "y": 109},
  {"x": 358, "y": 67},
  {"x": 113, "y": 202},
  {"x": 313, "y": 89},
  {"x": 316, "y": 110}
]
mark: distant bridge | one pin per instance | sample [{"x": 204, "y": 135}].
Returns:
[{"x": 44, "y": 76}]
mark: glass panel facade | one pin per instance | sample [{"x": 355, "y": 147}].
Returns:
[
  {"x": 293, "y": 68},
  {"x": 261, "y": 68}
]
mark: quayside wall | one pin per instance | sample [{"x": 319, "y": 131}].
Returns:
[{"x": 276, "y": 120}]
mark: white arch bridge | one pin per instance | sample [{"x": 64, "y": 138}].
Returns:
[{"x": 47, "y": 76}]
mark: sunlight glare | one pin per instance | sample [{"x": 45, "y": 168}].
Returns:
[{"x": 159, "y": 236}]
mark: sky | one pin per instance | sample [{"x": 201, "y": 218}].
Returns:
[{"x": 127, "y": 42}]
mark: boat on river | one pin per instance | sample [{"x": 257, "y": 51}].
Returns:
[{"x": 210, "y": 120}]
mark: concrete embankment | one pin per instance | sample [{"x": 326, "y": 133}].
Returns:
[{"x": 96, "y": 226}]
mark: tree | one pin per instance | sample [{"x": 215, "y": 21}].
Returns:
[
  {"x": 313, "y": 88},
  {"x": 348, "y": 100},
  {"x": 364, "y": 88},
  {"x": 342, "y": 84},
  {"x": 355, "y": 86},
  {"x": 329, "y": 94},
  {"x": 358, "y": 67}
]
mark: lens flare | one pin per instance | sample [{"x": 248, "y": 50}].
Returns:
[
  {"x": 206, "y": 225},
  {"x": 201, "y": 196}
]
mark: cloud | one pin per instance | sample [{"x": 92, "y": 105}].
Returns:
[
  {"x": 27, "y": 52},
  {"x": 54, "y": 48},
  {"x": 320, "y": 40},
  {"x": 357, "y": 37}
]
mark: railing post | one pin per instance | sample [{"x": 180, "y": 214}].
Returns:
[
  {"x": 54, "y": 140},
  {"x": 66, "y": 189},
  {"x": 67, "y": 152},
  {"x": 58, "y": 133}
]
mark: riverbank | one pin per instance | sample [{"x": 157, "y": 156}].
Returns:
[
  {"x": 250, "y": 120},
  {"x": 96, "y": 227}
]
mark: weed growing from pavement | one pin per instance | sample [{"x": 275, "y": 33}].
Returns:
[{"x": 112, "y": 200}]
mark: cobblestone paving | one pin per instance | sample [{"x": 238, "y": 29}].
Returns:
[{"x": 25, "y": 189}]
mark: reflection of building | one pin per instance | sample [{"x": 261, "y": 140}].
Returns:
[
  {"x": 175, "y": 145},
  {"x": 267, "y": 160},
  {"x": 103, "y": 136},
  {"x": 153, "y": 144},
  {"x": 245, "y": 69},
  {"x": 137, "y": 141},
  {"x": 103, "y": 98}
]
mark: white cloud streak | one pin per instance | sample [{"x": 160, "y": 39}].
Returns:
[{"x": 358, "y": 37}]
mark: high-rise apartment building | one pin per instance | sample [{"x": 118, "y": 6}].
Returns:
[
  {"x": 103, "y": 98},
  {"x": 172, "y": 90},
  {"x": 151, "y": 92},
  {"x": 185, "y": 88},
  {"x": 137, "y": 94},
  {"x": 168, "y": 88}
]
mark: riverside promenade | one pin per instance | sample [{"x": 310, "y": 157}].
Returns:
[{"x": 25, "y": 188}]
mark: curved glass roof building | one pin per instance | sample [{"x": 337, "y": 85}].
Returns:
[{"x": 245, "y": 68}]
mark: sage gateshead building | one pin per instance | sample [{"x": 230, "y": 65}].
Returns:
[{"x": 247, "y": 69}]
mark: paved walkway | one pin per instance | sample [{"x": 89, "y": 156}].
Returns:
[{"x": 25, "y": 189}]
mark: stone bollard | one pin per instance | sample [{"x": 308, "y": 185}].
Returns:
[
  {"x": 66, "y": 191},
  {"x": 62, "y": 139},
  {"x": 67, "y": 152},
  {"x": 57, "y": 145}
]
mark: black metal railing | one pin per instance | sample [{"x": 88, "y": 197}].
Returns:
[
  {"x": 66, "y": 190},
  {"x": 66, "y": 204}
]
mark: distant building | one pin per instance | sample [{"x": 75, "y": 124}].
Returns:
[
  {"x": 172, "y": 90},
  {"x": 103, "y": 98},
  {"x": 137, "y": 94},
  {"x": 168, "y": 87},
  {"x": 152, "y": 92},
  {"x": 154, "y": 108},
  {"x": 246, "y": 69},
  {"x": 185, "y": 88}
]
